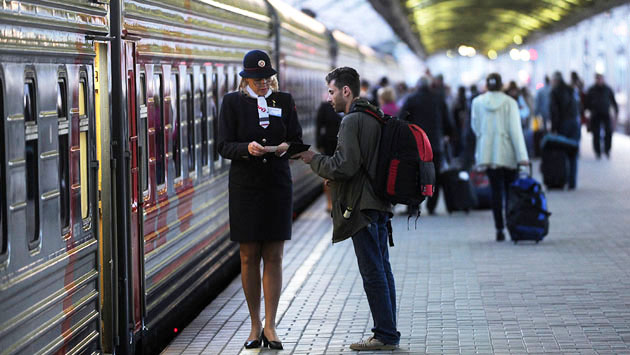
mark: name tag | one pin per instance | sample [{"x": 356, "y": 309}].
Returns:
[{"x": 275, "y": 111}]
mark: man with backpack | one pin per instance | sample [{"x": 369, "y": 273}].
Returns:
[{"x": 358, "y": 212}]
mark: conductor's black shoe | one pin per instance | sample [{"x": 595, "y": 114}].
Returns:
[
  {"x": 272, "y": 344},
  {"x": 500, "y": 236},
  {"x": 254, "y": 344}
]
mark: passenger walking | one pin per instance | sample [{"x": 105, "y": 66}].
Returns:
[
  {"x": 578, "y": 86},
  {"x": 599, "y": 99},
  {"x": 357, "y": 212},
  {"x": 542, "y": 102},
  {"x": 500, "y": 144},
  {"x": 460, "y": 117},
  {"x": 429, "y": 111},
  {"x": 256, "y": 124},
  {"x": 327, "y": 125},
  {"x": 565, "y": 120}
]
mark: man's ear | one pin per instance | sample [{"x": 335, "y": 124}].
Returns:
[{"x": 346, "y": 91}]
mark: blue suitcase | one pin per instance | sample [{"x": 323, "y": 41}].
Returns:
[{"x": 527, "y": 212}]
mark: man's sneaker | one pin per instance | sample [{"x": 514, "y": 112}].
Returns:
[{"x": 372, "y": 344}]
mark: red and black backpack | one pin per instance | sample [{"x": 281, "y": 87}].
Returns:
[{"x": 405, "y": 172}]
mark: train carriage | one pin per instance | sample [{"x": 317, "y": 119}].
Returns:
[{"x": 49, "y": 266}]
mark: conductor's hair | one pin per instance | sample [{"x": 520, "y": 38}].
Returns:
[{"x": 345, "y": 76}]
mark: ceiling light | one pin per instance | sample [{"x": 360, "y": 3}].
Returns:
[
  {"x": 492, "y": 54},
  {"x": 515, "y": 54},
  {"x": 518, "y": 39},
  {"x": 524, "y": 55}
]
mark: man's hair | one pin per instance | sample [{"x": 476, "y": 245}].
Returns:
[
  {"x": 423, "y": 82},
  {"x": 557, "y": 76},
  {"x": 493, "y": 82},
  {"x": 345, "y": 76}
]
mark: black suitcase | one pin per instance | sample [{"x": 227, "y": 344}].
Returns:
[
  {"x": 554, "y": 167},
  {"x": 459, "y": 193}
]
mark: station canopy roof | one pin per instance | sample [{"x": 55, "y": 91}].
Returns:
[{"x": 430, "y": 26}]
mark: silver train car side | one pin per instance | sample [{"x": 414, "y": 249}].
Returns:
[{"x": 113, "y": 197}]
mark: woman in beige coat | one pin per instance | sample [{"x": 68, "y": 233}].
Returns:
[{"x": 500, "y": 145}]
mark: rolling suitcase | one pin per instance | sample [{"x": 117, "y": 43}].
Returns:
[
  {"x": 554, "y": 167},
  {"x": 459, "y": 193},
  {"x": 527, "y": 211}
]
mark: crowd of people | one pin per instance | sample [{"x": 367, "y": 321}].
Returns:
[{"x": 558, "y": 108}]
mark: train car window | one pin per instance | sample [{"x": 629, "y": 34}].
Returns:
[
  {"x": 190, "y": 120},
  {"x": 83, "y": 146},
  {"x": 158, "y": 99},
  {"x": 142, "y": 90},
  {"x": 142, "y": 100},
  {"x": 32, "y": 171},
  {"x": 215, "y": 121},
  {"x": 176, "y": 124},
  {"x": 4, "y": 236},
  {"x": 204, "y": 119},
  {"x": 64, "y": 154}
]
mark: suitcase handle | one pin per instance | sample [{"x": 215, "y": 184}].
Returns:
[{"x": 529, "y": 165}]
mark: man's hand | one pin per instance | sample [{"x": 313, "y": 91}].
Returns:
[
  {"x": 306, "y": 156},
  {"x": 255, "y": 149}
]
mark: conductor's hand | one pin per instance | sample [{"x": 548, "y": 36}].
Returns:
[
  {"x": 255, "y": 149},
  {"x": 282, "y": 148},
  {"x": 306, "y": 156}
]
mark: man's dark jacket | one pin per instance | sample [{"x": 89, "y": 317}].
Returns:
[
  {"x": 564, "y": 112},
  {"x": 599, "y": 98},
  {"x": 355, "y": 157}
]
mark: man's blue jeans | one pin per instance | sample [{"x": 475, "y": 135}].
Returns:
[{"x": 371, "y": 247}]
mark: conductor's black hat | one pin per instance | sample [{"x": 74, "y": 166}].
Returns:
[{"x": 256, "y": 64}]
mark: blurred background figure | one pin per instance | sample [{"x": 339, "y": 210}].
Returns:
[
  {"x": 526, "y": 107},
  {"x": 565, "y": 120},
  {"x": 511, "y": 90},
  {"x": 427, "y": 109},
  {"x": 402, "y": 92},
  {"x": 327, "y": 126},
  {"x": 541, "y": 106},
  {"x": 500, "y": 144},
  {"x": 578, "y": 87},
  {"x": 381, "y": 84},
  {"x": 460, "y": 118},
  {"x": 387, "y": 100},
  {"x": 365, "y": 90},
  {"x": 599, "y": 99}
]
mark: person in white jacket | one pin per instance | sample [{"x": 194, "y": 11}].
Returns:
[{"x": 500, "y": 148}]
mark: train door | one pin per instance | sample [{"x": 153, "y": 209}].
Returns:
[{"x": 136, "y": 253}]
